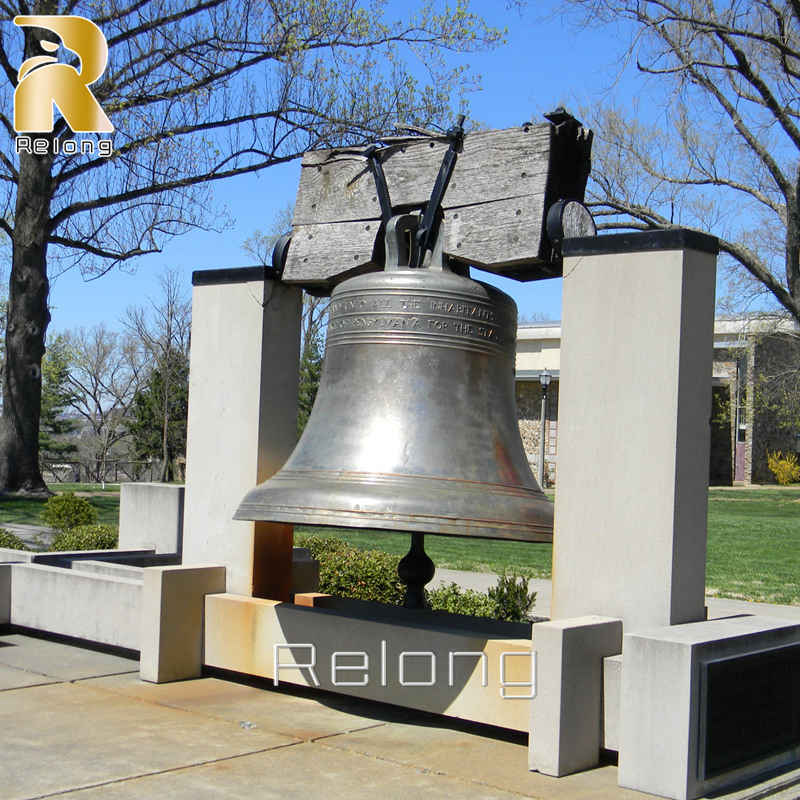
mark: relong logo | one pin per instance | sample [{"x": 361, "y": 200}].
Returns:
[{"x": 44, "y": 83}]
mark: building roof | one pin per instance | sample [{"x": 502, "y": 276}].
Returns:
[{"x": 729, "y": 330}]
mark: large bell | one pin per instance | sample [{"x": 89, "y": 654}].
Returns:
[{"x": 414, "y": 426}]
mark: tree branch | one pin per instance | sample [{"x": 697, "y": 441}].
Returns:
[
  {"x": 162, "y": 22},
  {"x": 738, "y": 123},
  {"x": 182, "y": 130},
  {"x": 133, "y": 194},
  {"x": 746, "y": 70},
  {"x": 99, "y": 251}
]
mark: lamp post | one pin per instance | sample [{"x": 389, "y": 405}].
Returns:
[{"x": 544, "y": 379}]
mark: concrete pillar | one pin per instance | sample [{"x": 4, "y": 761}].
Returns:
[
  {"x": 633, "y": 450},
  {"x": 242, "y": 423},
  {"x": 172, "y": 614},
  {"x": 567, "y": 712},
  {"x": 151, "y": 516}
]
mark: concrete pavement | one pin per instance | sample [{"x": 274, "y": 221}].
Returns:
[{"x": 80, "y": 724}]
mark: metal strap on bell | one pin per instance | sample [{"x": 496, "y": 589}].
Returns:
[{"x": 414, "y": 427}]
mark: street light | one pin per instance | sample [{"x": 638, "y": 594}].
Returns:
[{"x": 544, "y": 380}]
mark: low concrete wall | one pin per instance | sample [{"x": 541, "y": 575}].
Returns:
[
  {"x": 386, "y": 654},
  {"x": 665, "y": 721},
  {"x": 7, "y": 555},
  {"x": 612, "y": 686},
  {"x": 110, "y": 569},
  {"x": 567, "y": 712},
  {"x": 99, "y": 608}
]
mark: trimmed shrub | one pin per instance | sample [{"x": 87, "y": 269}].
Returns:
[
  {"x": 360, "y": 574},
  {"x": 319, "y": 546},
  {"x": 8, "y": 539},
  {"x": 511, "y": 600},
  {"x": 345, "y": 571},
  {"x": 86, "y": 537},
  {"x": 784, "y": 467},
  {"x": 455, "y": 600},
  {"x": 66, "y": 511},
  {"x": 508, "y": 601}
]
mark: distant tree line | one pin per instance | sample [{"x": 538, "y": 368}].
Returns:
[
  {"x": 115, "y": 400},
  {"x": 112, "y": 397}
]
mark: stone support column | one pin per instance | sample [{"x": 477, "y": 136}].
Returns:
[
  {"x": 243, "y": 379},
  {"x": 634, "y": 410}
]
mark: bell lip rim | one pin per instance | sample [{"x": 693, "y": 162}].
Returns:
[{"x": 395, "y": 523}]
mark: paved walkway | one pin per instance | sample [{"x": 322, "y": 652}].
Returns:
[
  {"x": 34, "y": 536},
  {"x": 79, "y": 724}
]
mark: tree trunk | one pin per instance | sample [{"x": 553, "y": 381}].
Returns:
[
  {"x": 26, "y": 327},
  {"x": 793, "y": 248}
]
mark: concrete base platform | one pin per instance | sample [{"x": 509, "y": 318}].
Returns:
[{"x": 91, "y": 729}]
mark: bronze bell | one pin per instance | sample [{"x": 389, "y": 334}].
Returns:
[{"x": 414, "y": 427}]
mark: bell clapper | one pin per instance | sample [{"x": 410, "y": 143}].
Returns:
[{"x": 415, "y": 570}]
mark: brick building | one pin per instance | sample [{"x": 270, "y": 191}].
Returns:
[{"x": 753, "y": 356}]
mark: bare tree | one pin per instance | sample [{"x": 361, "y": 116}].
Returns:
[
  {"x": 162, "y": 328},
  {"x": 196, "y": 92},
  {"x": 104, "y": 373},
  {"x": 259, "y": 246},
  {"x": 314, "y": 319},
  {"x": 717, "y": 147}
]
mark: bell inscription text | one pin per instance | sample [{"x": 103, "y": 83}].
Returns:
[{"x": 430, "y": 315}]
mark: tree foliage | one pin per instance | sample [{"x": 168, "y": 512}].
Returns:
[
  {"x": 58, "y": 396},
  {"x": 197, "y": 93},
  {"x": 716, "y": 145},
  {"x": 310, "y": 372},
  {"x": 157, "y": 422}
]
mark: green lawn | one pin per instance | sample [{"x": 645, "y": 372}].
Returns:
[
  {"x": 58, "y": 488},
  {"x": 753, "y": 542},
  {"x": 481, "y": 555},
  {"x": 753, "y": 546}
]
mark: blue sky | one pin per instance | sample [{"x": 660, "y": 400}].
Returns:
[{"x": 546, "y": 62}]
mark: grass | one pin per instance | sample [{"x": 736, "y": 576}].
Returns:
[
  {"x": 754, "y": 545},
  {"x": 753, "y": 542},
  {"x": 59, "y": 488},
  {"x": 531, "y": 559}
]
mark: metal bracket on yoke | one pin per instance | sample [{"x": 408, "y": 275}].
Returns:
[
  {"x": 427, "y": 234},
  {"x": 401, "y": 231},
  {"x": 428, "y": 231},
  {"x": 381, "y": 188}
]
